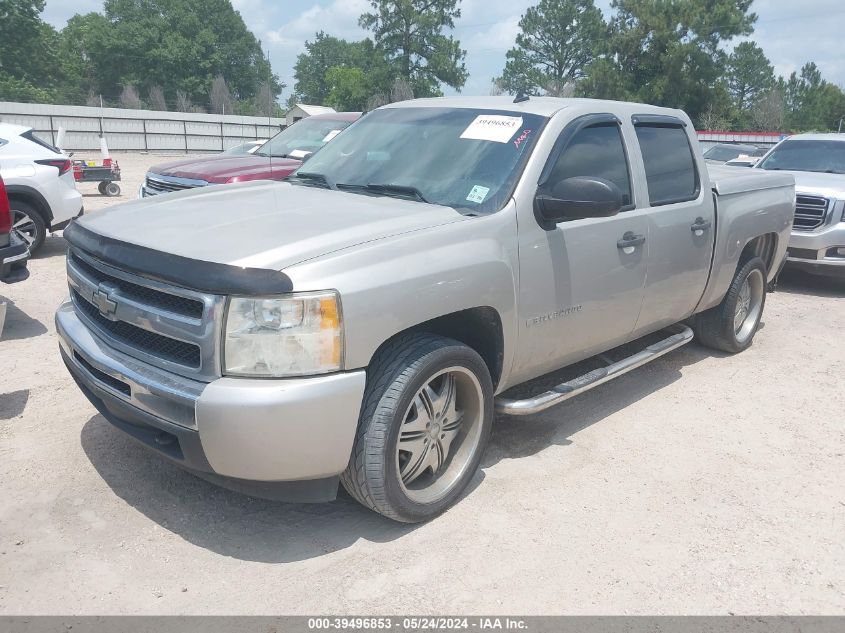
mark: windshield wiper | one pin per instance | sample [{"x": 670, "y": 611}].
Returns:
[
  {"x": 314, "y": 179},
  {"x": 401, "y": 190}
]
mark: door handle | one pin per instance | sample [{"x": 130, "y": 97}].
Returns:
[
  {"x": 629, "y": 241},
  {"x": 700, "y": 225}
]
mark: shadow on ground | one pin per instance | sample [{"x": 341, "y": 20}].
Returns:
[
  {"x": 801, "y": 283},
  {"x": 19, "y": 325},
  {"x": 246, "y": 528},
  {"x": 12, "y": 404},
  {"x": 54, "y": 246}
]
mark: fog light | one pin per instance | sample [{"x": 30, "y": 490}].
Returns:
[{"x": 841, "y": 251}]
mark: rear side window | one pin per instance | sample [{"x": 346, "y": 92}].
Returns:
[
  {"x": 670, "y": 169},
  {"x": 596, "y": 151},
  {"x": 3, "y": 142},
  {"x": 30, "y": 136}
]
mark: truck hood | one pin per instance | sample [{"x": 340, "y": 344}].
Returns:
[
  {"x": 827, "y": 185},
  {"x": 268, "y": 225},
  {"x": 221, "y": 168}
]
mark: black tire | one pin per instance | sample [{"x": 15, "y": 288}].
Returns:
[
  {"x": 101, "y": 187},
  {"x": 395, "y": 378},
  {"x": 716, "y": 327},
  {"x": 34, "y": 229},
  {"x": 112, "y": 189}
]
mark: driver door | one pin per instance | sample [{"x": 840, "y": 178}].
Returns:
[{"x": 581, "y": 286}]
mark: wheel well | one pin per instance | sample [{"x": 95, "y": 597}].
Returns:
[
  {"x": 762, "y": 246},
  {"x": 33, "y": 198},
  {"x": 479, "y": 328}
]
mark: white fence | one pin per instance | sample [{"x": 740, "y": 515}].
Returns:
[{"x": 138, "y": 130}]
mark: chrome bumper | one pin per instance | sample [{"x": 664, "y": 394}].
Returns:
[
  {"x": 821, "y": 251},
  {"x": 243, "y": 429}
]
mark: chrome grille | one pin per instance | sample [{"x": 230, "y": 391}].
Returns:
[
  {"x": 156, "y": 184},
  {"x": 149, "y": 342},
  {"x": 810, "y": 212},
  {"x": 170, "y": 327}
]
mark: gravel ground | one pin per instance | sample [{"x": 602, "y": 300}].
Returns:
[{"x": 699, "y": 484}]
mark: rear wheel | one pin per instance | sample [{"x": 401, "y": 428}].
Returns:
[
  {"x": 101, "y": 187},
  {"x": 27, "y": 221},
  {"x": 732, "y": 324},
  {"x": 425, "y": 420},
  {"x": 112, "y": 189}
]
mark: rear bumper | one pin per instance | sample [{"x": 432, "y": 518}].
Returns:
[
  {"x": 279, "y": 439},
  {"x": 819, "y": 252},
  {"x": 14, "y": 255}
]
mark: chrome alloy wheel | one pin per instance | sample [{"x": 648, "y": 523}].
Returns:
[
  {"x": 440, "y": 434},
  {"x": 24, "y": 225},
  {"x": 749, "y": 304}
]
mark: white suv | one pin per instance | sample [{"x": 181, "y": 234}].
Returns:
[{"x": 40, "y": 184}]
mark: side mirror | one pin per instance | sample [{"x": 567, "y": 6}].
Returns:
[{"x": 577, "y": 198}]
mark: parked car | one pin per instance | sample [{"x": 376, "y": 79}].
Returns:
[
  {"x": 277, "y": 159},
  {"x": 360, "y": 322},
  {"x": 723, "y": 152},
  {"x": 250, "y": 147},
  {"x": 14, "y": 250},
  {"x": 39, "y": 183},
  {"x": 817, "y": 161}
]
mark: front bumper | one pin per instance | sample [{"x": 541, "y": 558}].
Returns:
[
  {"x": 282, "y": 439},
  {"x": 820, "y": 252}
]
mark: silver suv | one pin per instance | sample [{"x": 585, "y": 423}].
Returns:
[{"x": 817, "y": 161}]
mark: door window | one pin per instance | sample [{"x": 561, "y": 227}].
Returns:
[
  {"x": 669, "y": 165},
  {"x": 596, "y": 151}
]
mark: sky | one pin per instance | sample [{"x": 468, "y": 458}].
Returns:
[{"x": 790, "y": 33}]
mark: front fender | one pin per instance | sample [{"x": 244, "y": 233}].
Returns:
[{"x": 393, "y": 284}]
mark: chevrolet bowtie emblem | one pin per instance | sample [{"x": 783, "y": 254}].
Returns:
[{"x": 104, "y": 300}]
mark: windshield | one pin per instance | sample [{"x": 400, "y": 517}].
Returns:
[
  {"x": 457, "y": 157},
  {"x": 798, "y": 155},
  {"x": 725, "y": 153},
  {"x": 303, "y": 137}
]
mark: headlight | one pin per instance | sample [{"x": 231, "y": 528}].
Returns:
[{"x": 292, "y": 335}]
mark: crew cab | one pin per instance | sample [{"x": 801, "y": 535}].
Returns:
[
  {"x": 817, "y": 162},
  {"x": 276, "y": 159},
  {"x": 361, "y": 322}
]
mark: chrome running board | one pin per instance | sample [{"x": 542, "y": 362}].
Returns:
[{"x": 571, "y": 388}]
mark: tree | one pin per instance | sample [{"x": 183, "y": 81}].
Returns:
[
  {"x": 558, "y": 40},
  {"x": 30, "y": 68},
  {"x": 767, "y": 114},
  {"x": 668, "y": 52},
  {"x": 749, "y": 75},
  {"x": 129, "y": 98},
  {"x": 221, "y": 100},
  {"x": 176, "y": 44},
  {"x": 811, "y": 102},
  {"x": 409, "y": 33},
  {"x": 183, "y": 102},
  {"x": 347, "y": 88},
  {"x": 325, "y": 53},
  {"x": 157, "y": 100}
]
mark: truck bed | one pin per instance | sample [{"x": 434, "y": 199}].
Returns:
[{"x": 726, "y": 181}]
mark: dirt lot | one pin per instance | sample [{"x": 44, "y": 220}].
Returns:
[{"x": 699, "y": 484}]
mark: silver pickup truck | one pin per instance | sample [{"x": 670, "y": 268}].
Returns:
[
  {"x": 362, "y": 322},
  {"x": 817, "y": 161}
]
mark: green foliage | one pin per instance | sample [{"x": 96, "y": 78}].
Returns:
[
  {"x": 558, "y": 40},
  {"x": 347, "y": 88},
  {"x": 409, "y": 34},
  {"x": 749, "y": 75},
  {"x": 668, "y": 52},
  {"x": 326, "y": 53},
  {"x": 29, "y": 66},
  {"x": 811, "y": 103}
]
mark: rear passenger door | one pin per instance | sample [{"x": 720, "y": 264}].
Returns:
[{"x": 682, "y": 221}]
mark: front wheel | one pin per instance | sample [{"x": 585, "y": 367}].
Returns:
[
  {"x": 425, "y": 421},
  {"x": 732, "y": 324},
  {"x": 112, "y": 189}
]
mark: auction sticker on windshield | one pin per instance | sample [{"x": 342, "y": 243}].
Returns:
[
  {"x": 478, "y": 194},
  {"x": 493, "y": 127}
]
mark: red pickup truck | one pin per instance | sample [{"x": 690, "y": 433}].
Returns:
[{"x": 275, "y": 160}]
